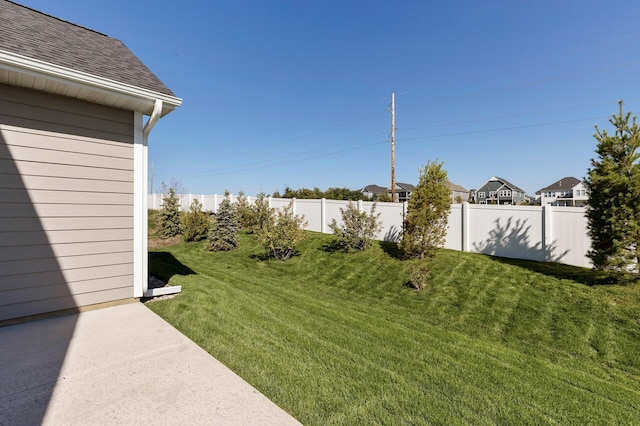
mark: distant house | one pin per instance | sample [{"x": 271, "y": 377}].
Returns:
[
  {"x": 402, "y": 191},
  {"x": 500, "y": 191},
  {"x": 73, "y": 165},
  {"x": 371, "y": 191},
  {"x": 566, "y": 192},
  {"x": 458, "y": 193}
]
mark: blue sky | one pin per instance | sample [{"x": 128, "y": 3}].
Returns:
[{"x": 296, "y": 93}]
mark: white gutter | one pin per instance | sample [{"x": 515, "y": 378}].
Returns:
[
  {"x": 153, "y": 119},
  {"x": 85, "y": 81}
]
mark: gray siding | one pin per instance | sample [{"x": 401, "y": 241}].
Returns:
[{"x": 66, "y": 203}]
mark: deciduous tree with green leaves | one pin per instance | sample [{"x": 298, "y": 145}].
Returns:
[
  {"x": 358, "y": 228},
  {"x": 613, "y": 209},
  {"x": 282, "y": 232},
  {"x": 425, "y": 226}
]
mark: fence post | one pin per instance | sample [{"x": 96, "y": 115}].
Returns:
[
  {"x": 323, "y": 215},
  {"x": 359, "y": 205},
  {"x": 547, "y": 233},
  {"x": 465, "y": 226},
  {"x": 215, "y": 203},
  {"x": 293, "y": 200},
  {"x": 269, "y": 201}
]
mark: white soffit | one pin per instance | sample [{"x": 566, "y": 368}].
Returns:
[{"x": 18, "y": 70}]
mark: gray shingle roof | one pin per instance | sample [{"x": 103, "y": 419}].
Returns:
[
  {"x": 509, "y": 184},
  {"x": 30, "y": 33},
  {"x": 561, "y": 185}
]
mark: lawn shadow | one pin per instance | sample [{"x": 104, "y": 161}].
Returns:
[
  {"x": 392, "y": 249},
  {"x": 164, "y": 265},
  {"x": 586, "y": 276},
  {"x": 264, "y": 257}
]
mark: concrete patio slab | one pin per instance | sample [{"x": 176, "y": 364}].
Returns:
[{"x": 120, "y": 365}]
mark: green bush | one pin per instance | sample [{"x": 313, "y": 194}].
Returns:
[
  {"x": 169, "y": 224},
  {"x": 358, "y": 228},
  {"x": 246, "y": 215},
  {"x": 425, "y": 227},
  {"x": 262, "y": 213},
  {"x": 223, "y": 235},
  {"x": 195, "y": 223},
  {"x": 281, "y": 233},
  {"x": 418, "y": 275}
]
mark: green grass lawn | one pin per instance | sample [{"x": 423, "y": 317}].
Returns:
[{"x": 338, "y": 338}]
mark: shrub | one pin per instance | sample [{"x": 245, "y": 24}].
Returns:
[
  {"x": 418, "y": 275},
  {"x": 195, "y": 223},
  {"x": 223, "y": 235},
  {"x": 262, "y": 213},
  {"x": 425, "y": 227},
  {"x": 358, "y": 228},
  {"x": 170, "y": 216},
  {"x": 245, "y": 212},
  {"x": 281, "y": 233}
]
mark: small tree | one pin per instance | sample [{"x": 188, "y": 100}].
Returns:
[
  {"x": 223, "y": 235},
  {"x": 245, "y": 212},
  {"x": 613, "y": 209},
  {"x": 262, "y": 213},
  {"x": 281, "y": 233},
  {"x": 195, "y": 223},
  {"x": 425, "y": 226},
  {"x": 170, "y": 216},
  {"x": 358, "y": 228}
]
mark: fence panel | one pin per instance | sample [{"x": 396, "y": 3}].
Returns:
[
  {"x": 454, "y": 228},
  {"x": 571, "y": 240},
  {"x": 506, "y": 231},
  {"x": 312, "y": 213},
  {"x": 557, "y": 234}
]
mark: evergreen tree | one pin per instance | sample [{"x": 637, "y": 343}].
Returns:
[
  {"x": 425, "y": 226},
  {"x": 223, "y": 235},
  {"x": 613, "y": 209},
  {"x": 170, "y": 216},
  {"x": 195, "y": 223},
  {"x": 245, "y": 211}
]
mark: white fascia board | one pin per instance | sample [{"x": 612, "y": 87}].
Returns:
[{"x": 46, "y": 70}]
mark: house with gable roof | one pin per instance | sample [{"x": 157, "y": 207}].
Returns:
[
  {"x": 73, "y": 165},
  {"x": 566, "y": 192},
  {"x": 499, "y": 191}
]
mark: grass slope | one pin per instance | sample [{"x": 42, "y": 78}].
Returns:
[{"x": 338, "y": 338}]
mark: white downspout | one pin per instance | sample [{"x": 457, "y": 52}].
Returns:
[{"x": 147, "y": 292}]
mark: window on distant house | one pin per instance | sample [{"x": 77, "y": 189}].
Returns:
[
  {"x": 481, "y": 194},
  {"x": 505, "y": 193},
  {"x": 492, "y": 194}
]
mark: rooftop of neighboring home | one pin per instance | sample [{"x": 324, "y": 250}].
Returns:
[
  {"x": 505, "y": 182},
  {"x": 564, "y": 184}
]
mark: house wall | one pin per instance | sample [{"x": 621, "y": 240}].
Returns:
[{"x": 66, "y": 203}]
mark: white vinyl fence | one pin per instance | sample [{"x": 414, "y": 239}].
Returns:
[{"x": 546, "y": 234}]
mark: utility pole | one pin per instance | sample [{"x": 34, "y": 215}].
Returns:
[{"x": 393, "y": 147}]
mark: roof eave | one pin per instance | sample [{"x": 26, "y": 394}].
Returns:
[{"x": 32, "y": 73}]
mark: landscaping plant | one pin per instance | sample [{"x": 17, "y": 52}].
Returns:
[
  {"x": 425, "y": 226},
  {"x": 613, "y": 208},
  {"x": 169, "y": 223},
  {"x": 223, "y": 235},
  {"x": 358, "y": 228},
  {"x": 281, "y": 233},
  {"x": 246, "y": 216},
  {"x": 195, "y": 223}
]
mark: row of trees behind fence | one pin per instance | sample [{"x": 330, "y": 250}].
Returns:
[{"x": 554, "y": 234}]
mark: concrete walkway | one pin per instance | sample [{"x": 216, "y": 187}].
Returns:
[{"x": 120, "y": 365}]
